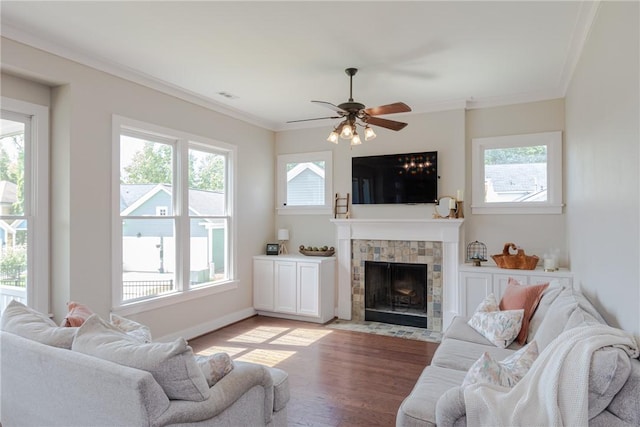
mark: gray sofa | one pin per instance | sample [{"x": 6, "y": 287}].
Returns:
[
  {"x": 45, "y": 385},
  {"x": 614, "y": 379}
]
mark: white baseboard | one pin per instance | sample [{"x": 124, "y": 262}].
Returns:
[{"x": 207, "y": 327}]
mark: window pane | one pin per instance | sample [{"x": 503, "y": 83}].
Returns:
[
  {"x": 305, "y": 184},
  {"x": 206, "y": 183},
  {"x": 13, "y": 261},
  {"x": 516, "y": 174},
  {"x": 11, "y": 167},
  {"x": 146, "y": 177},
  {"x": 208, "y": 254},
  {"x": 148, "y": 257}
]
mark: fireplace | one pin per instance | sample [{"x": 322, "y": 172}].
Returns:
[{"x": 396, "y": 293}]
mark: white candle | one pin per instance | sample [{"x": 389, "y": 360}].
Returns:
[
  {"x": 460, "y": 195},
  {"x": 452, "y": 203}
]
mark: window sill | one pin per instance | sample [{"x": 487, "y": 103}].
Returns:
[
  {"x": 304, "y": 210},
  {"x": 519, "y": 209},
  {"x": 137, "y": 307}
]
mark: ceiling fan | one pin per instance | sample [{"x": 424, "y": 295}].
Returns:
[{"x": 356, "y": 114}]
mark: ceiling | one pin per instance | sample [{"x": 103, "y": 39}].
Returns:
[{"x": 265, "y": 61}]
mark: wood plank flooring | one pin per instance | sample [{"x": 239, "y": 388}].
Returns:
[{"x": 336, "y": 378}]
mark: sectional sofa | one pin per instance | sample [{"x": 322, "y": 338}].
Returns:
[
  {"x": 48, "y": 378},
  {"x": 611, "y": 392}
]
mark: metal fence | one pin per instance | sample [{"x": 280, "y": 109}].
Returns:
[
  {"x": 13, "y": 277},
  {"x": 143, "y": 288}
]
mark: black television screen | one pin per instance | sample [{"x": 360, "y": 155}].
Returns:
[{"x": 395, "y": 178}]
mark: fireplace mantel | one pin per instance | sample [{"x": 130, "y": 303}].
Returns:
[{"x": 447, "y": 231}]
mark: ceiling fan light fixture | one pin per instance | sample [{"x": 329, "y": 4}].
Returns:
[
  {"x": 347, "y": 131},
  {"x": 369, "y": 134},
  {"x": 356, "y": 139},
  {"x": 333, "y": 137}
]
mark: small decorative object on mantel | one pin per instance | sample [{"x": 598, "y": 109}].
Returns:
[
  {"x": 316, "y": 251},
  {"x": 519, "y": 261},
  {"x": 341, "y": 207},
  {"x": 449, "y": 207},
  {"x": 476, "y": 253}
]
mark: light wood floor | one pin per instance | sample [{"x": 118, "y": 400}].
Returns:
[{"x": 336, "y": 378}]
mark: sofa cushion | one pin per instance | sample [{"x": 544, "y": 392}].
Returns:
[
  {"x": 505, "y": 373},
  {"x": 517, "y": 296},
  {"x": 419, "y": 408},
  {"x": 460, "y": 355},
  {"x": 625, "y": 404},
  {"x": 548, "y": 297},
  {"x": 214, "y": 366},
  {"x": 556, "y": 318},
  {"x": 460, "y": 329},
  {"x": 609, "y": 371},
  {"x": 26, "y": 322},
  {"x": 499, "y": 327},
  {"x": 77, "y": 314},
  {"x": 171, "y": 364},
  {"x": 132, "y": 328}
]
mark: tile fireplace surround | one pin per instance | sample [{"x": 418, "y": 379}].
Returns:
[{"x": 368, "y": 234}]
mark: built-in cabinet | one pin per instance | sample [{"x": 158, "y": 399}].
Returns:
[
  {"x": 294, "y": 287},
  {"x": 475, "y": 283}
]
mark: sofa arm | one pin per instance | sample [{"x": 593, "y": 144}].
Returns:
[{"x": 450, "y": 409}]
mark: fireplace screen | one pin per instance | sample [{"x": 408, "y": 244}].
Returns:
[{"x": 396, "y": 293}]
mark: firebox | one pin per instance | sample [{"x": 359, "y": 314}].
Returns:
[{"x": 396, "y": 293}]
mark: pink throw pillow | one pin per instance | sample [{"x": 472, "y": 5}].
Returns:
[
  {"x": 78, "y": 313},
  {"x": 518, "y": 296}
]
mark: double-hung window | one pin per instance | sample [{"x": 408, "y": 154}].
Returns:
[
  {"x": 173, "y": 209},
  {"x": 24, "y": 204}
]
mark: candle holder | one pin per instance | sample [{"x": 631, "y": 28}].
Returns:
[
  {"x": 459, "y": 209},
  {"x": 452, "y": 213}
]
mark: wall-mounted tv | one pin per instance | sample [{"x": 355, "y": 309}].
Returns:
[{"x": 395, "y": 178}]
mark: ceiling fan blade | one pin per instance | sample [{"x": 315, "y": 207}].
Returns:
[
  {"x": 398, "y": 107},
  {"x": 330, "y": 106},
  {"x": 385, "y": 123},
  {"x": 317, "y": 118}
]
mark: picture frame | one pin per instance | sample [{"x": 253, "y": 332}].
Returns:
[{"x": 273, "y": 248}]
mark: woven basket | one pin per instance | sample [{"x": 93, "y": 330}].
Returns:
[{"x": 518, "y": 261}]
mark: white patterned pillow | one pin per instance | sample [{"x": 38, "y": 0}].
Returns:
[
  {"x": 489, "y": 303},
  {"x": 505, "y": 373},
  {"x": 499, "y": 327},
  {"x": 214, "y": 366},
  {"x": 134, "y": 329},
  {"x": 28, "y": 323}
]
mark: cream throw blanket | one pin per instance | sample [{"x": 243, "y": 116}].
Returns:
[{"x": 555, "y": 390}]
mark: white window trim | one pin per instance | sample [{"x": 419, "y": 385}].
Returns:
[
  {"x": 37, "y": 164},
  {"x": 127, "y": 308},
  {"x": 281, "y": 183},
  {"x": 553, "y": 205}
]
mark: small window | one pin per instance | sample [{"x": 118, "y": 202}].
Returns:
[
  {"x": 517, "y": 174},
  {"x": 304, "y": 183}
]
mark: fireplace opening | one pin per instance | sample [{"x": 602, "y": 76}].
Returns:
[{"x": 396, "y": 293}]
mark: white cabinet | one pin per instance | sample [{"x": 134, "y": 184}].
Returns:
[
  {"x": 477, "y": 282},
  {"x": 294, "y": 287}
]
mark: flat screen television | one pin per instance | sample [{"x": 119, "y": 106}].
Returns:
[{"x": 395, "y": 178}]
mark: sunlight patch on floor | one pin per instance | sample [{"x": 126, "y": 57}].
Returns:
[
  {"x": 231, "y": 351},
  {"x": 259, "y": 335},
  {"x": 266, "y": 357},
  {"x": 301, "y": 337}
]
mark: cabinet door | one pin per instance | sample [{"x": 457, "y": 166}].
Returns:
[
  {"x": 263, "y": 284},
  {"x": 285, "y": 286},
  {"x": 308, "y": 289},
  {"x": 474, "y": 287},
  {"x": 500, "y": 282}
]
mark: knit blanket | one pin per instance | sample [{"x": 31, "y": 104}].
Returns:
[{"x": 555, "y": 390}]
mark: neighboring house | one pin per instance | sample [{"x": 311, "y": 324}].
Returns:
[
  {"x": 305, "y": 185},
  {"x": 515, "y": 182},
  {"x": 140, "y": 237}
]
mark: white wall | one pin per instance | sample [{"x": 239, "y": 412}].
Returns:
[
  {"x": 441, "y": 131},
  {"x": 535, "y": 233},
  {"x": 83, "y": 102},
  {"x": 602, "y": 122}
]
